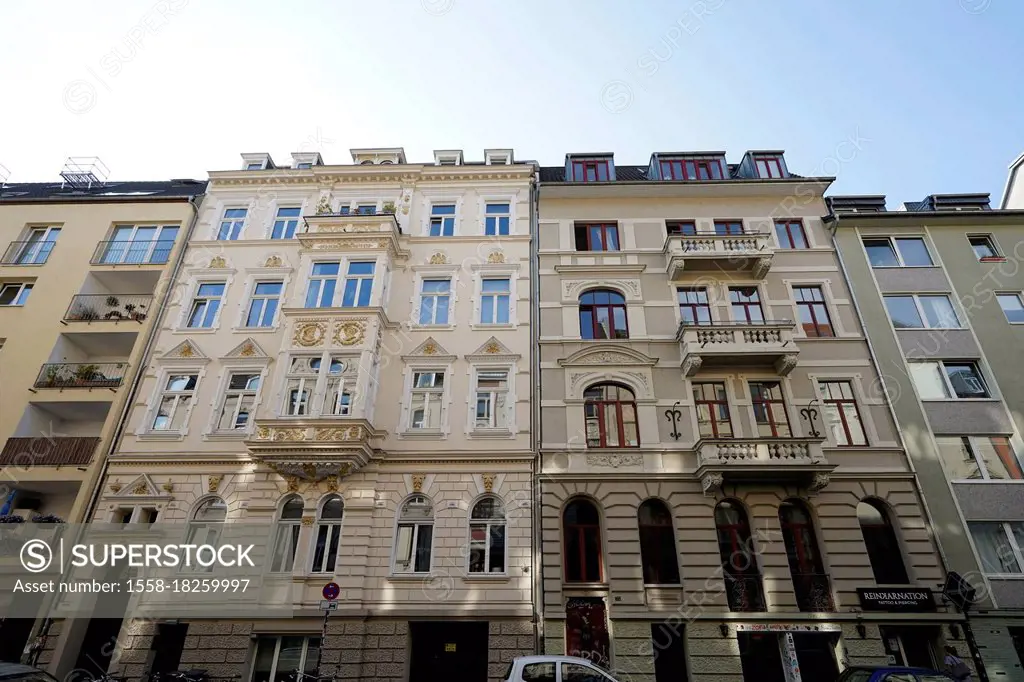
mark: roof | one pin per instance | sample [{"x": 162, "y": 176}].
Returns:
[{"x": 105, "y": 191}]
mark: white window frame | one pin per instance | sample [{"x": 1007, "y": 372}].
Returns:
[
  {"x": 439, "y": 200},
  {"x": 276, "y": 660},
  {"x": 24, "y": 289},
  {"x": 276, "y": 218},
  {"x": 414, "y": 536},
  {"x": 920, "y": 310},
  {"x": 977, "y": 458},
  {"x": 334, "y": 529},
  {"x": 1018, "y": 551},
  {"x": 441, "y": 398},
  {"x": 283, "y": 527},
  {"x": 421, "y": 295},
  {"x": 494, "y": 303},
  {"x": 899, "y": 256},
  {"x": 194, "y": 296},
  {"x": 30, "y": 251},
  {"x": 1020, "y": 302},
  {"x": 361, "y": 282},
  {"x": 310, "y": 278},
  {"x": 226, "y": 391},
  {"x": 161, "y": 392},
  {"x": 510, "y": 400},
  {"x": 342, "y": 278},
  {"x": 509, "y": 199},
  {"x": 252, "y": 297},
  {"x": 224, "y": 219},
  {"x": 947, "y": 382},
  {"x": 318, "y": 391},
  {"x": 990, "y": 238},
  {"x": 487, "y": 524}
]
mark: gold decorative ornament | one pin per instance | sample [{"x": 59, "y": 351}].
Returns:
[
  {"x": 292, "y": 482},
  {"x": 332, "y": 483},
  {"x": 289, "y": 434},
  {"x": 213, "y": 483},
  {"x": 438, "y": 258},
  {"x": 496, "y": 257},
  {"x": 115, "y": 487},
  {"x": 307, "y": 520},
  {"x": 263, "y": 433},
  {"x": 187, "y": 351},
  {"x": 417, "y": 482},
  {"x": 339, "y": 433},
  {"x": 168, "y": 487},
  {"x": 140, "y": 488},
  {"x": 488, "y": 482},
  {"x": 218, "y": 262},
  {"x": 492, "y": 348},
  {"x": 310, "y": 333},
  {"x": 430, "y": 349},
  {"x": 349, "y": 333},
  {"x": 323, "y": 207},
  {"x": 273, "y": 262},
  {"x": 248, "y": 350}
]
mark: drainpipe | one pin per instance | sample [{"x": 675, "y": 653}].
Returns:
[{"x": 537, "y": 585}]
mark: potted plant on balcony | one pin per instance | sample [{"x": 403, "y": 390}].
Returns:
[
  {"x": 52, "y": 375},
  {"x": 85, "y": 313},
  {"x": 85, "y": 374},
  {"x": 389, "y": 207},
  {"x": 12, "y": 518},
  {"x": 47, "y": 518},
  {"x": 113, "y": 301},
  {"x": 136, "y": 312}
]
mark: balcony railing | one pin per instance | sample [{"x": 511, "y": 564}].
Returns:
[
  {"x": 109, "y": 308},
  {"x": 138, "y": 252},
  {"x": 764, "y": 342},
  {"x": 45, "y": 451},
  {"x": 813, "y": 592},
  {"x": 798, "y": 460},
  {"x": 81, "y": 375},
  {"x": 744, "y": 592},
  {"x": 742, "y": 251},
  {"x": 27, "y": 253}
]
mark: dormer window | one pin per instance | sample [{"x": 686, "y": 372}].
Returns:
[
  {"x": 498, "y": 157},
  {"x": 305, "y": 165},
  {"x": 306, "y": 160},
  {"x": 692, "y": 168},
  {"x": 254, "y": 166},
  {"x": 255, "y": 162},
  {"x": 448, "y": 157},
  {"x": 381, "y": 156},
  {"x": 769, "y": 166},
  {"x": 590, "y": 170}
]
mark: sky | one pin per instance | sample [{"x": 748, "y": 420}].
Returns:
[{"x": 900, "y": 98}]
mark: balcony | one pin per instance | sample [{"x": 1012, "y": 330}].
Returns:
[
  {"x": 48, "y": 452},
  {"x": 744, "y": 592},
  {"x": 27, "y": 253},
  {"x": 105, "y": 308},
  {"x": 730, "y": 344},
  {"x": 134, "y": 252},
  {"x": 813, "y": 592},
  {"x": 61, "y": 375},
  {"x": 763, "y": 460},
  {"x": 341, "y": 232},
  {"x": 314, "y": 448},
  {"x": 697, "y": 253}
]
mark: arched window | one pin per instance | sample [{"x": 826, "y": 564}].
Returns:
[
  {"x": 287, "y": 538},
  {"x": 603, "y": 315},
  {"x": 207, "y": 521},
  {"x": 610, "y": 412},
  {"x": 328, "y": 534},
  {"x": 487, "y": 536},
  {"x": 739, "y": 561},
  {"x": 415, "y": 535},
  {"x": 657, "y": 544},
  {"x": 581, "y": 546},
  {"x": 883, "y": 547},
  {"x": 813, "y": 592}
]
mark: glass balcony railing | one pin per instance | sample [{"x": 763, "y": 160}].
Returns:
[{"x": 135, "y": 252}]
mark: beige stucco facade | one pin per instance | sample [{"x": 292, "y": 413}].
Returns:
[
  {"x": 363, "y": 442},
  {"x": 670, "y": 462}
]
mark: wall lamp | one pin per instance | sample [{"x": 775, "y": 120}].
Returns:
[
  {"x": 724, "y": 629},
  {"x": 862, "y": 630}
]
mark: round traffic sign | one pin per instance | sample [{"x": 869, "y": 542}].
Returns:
[{"x": 331, "y": 591}]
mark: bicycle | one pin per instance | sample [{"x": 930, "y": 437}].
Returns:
[{"x": 300, "y": 676}]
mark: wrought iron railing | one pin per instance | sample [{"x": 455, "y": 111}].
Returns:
[
  {"x": 813, "y": 592},
  {"x": 48, "y": 451},
  {"x": 744, "y": 592},
  {"x": 27, "y": 253},
  {"x": 109, "y": 308},
  {"x": 81, "y": 375},
  {"x": 147, "y": 252}
]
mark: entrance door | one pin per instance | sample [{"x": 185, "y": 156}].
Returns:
[
  {"x": 167, "y": 647},
  {"x": 816, "y": 655},
  {"x": 586, "y": 630},
  {"x": 98, "y": 646},
  {"x": 911, "y": 646},
  {"x": 761, "y": 658},
  {"x": 448, "y": 651}
]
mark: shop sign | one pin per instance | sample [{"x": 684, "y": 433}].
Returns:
[
  {"x": 788, "y": 627},
  {"x": 896, "y": 598}
]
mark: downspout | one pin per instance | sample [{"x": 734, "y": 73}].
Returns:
[{"x": 536, "y": 543}]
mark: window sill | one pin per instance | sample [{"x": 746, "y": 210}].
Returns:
[
  {"x": 487, "y": 578},
  {"x": 961, "y": 400},
  {"x": 227, "y": 435},
  {"x": 196, "y": 330},
  {"x": 161, "y": 436},
  {"x": 433, "y": 327},
  {"x": 483, "y": 326},
  {"x": 256, "y": 330},
  {"x": 491, "y": 433},
  {"x": 407, "y": 577},
  {"x": 566, "y": 585},
  {"x": 423, "y": 434}
]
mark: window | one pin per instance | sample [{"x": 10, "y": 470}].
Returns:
[
  {"x": 239, "y": 398},
  {"x": 810, "y": 305},
  {"x": 590, "y": 170},
  {"x": 658, "y": 554},
  {"x": 345, "y": 209},
  {"x": 922, "y": 312},
  {"x": 175, "y": 401},
  {"x": 492, "y": 408},
  {"x": 263, "y": 304},
  {"x": 984, "y": 247},
  {"x": 496, "y": 218},
  {"x": 206, "y": 305},
  {"x": 596, "y": 236},
  {"x": 487, "y": 537},
  {"x": 538, "y": 672},
  {"x": 897, "y": 252},
  {"x": 36, "y": 249},
  {"x": 366, "y": 209},
  {"x": 1012, "y": 307},
  {"x": 435, "y": 297},
  {"x": 207, "y": 522},
  {"x": 686, "y": 228},
  {"x": 312, "y": 375},
  {"x": 769, "y": 410},
  {"x": 286, "y": 539},
  {"x": 884, "y": 551},
  {"x": 946, "y": 380},
  {"x": 322, "y": 283},
  {"x": 979, "y": 458},
  {"x": 811, "y": 585},
  {"x": 712, "y": 404},
  {"x": 415, "y": 535},
  {"x": 337, "y": 400},
  {"x": 328, "y": 534},
  {"x": 842, "y": 417},
  {"x": 746, "y": 305},
  {"x": 277, "y": 658},
  {"x": 577, "y": 672},
  {"x": 231, "y": 224},
  {"x": 693, "y": 305},
  {"x": 304, "y": 165},
  {"x": 581, "y": 542},
  {"x": 358, "y": 284},
  {"x": 790, "y": 234},
  {"x": 427, "y": 407},
  {"x": 134, "y": 515},
  {"x": 495, "y": 297},
  {"x": 442, "y": 220},
  {"x": 999, "y": 546},
  {"x": 610, "y": 414},
  {"x": 728, "y": 227},
  {"x": 254, "y": 166},
  {"x": 739, "y": 557},
  {"x": 769, "y": 166},
  {"x": 603, "y": 315},
  {"x": 691, "y": 169},
  {"x": 137, "y": 244},
  {"x": 286, "y": 222},
  {"x": 14, "y": 293}
]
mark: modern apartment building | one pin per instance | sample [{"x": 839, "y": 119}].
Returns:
[
  {"x": 84, "y": 266},
  {"x": 940, "y": 288},
  {"x": 346, "y": 360},
  {"x": 723, "y": 488}
]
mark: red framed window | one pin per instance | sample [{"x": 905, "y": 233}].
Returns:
[
  {"x": 712, "y": 404},
  {"x": 769, "y": 166},
  {"x": 658, "y": 555},
  {"x": 597, "y": 237},
  {"x": 728, "y": 227},
  {"x": 691, "y": 169},
  {"x": 884, "y": 550},
  {"x": 590, "y": 170},
  {"x": 842, "y": 416},
  {"x": 810, "y": 304},
  {"x": 790, "y": 234},
  {"x": 610, "y": 413},
  {"x": 746, "y": 305},
  {"x": 581, "y": 542},
  {"x": 798, "y": 534},
  {"x": 687, "y": 228},
  {"x": 603, "y": 315},
  {"x": 693, "y": 305},
  {"x": 769, "y": 409},
  {"x": 739, "y": 557}
]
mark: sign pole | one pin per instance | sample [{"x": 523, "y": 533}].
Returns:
[{"x": 330, "y": 592}]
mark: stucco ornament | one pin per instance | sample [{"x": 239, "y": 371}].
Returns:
[
  {"x": 323, "y": 207},
  {"x": 213, "y": 483},
  {"x": 615, "y": 461},
  {"x": 140, "y": 488},
  {"x": 492, "y": 348},
  {"x": 310, "y": 333},
  {"x": 430, "y": 349},
  {"x": 273, "y": 262},
  {"x": 218, "y": 262},
  {"x": 438, "y": 258},
  {"x": 332, "y": 483},
  {"x": 496, "y": 257},
  {"x": 115, "y": 487},
  {"x": 340, "y": 433},
  {"x": 350, "y": 332},
  {"x": 248, "y": 350},
  {"x": 711, "y": 483},
  {"x": 417, "y": 482},
  {"x": 488, "y": 480}
]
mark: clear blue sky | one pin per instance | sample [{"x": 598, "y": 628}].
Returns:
[{"x": 930, "y": 89}]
